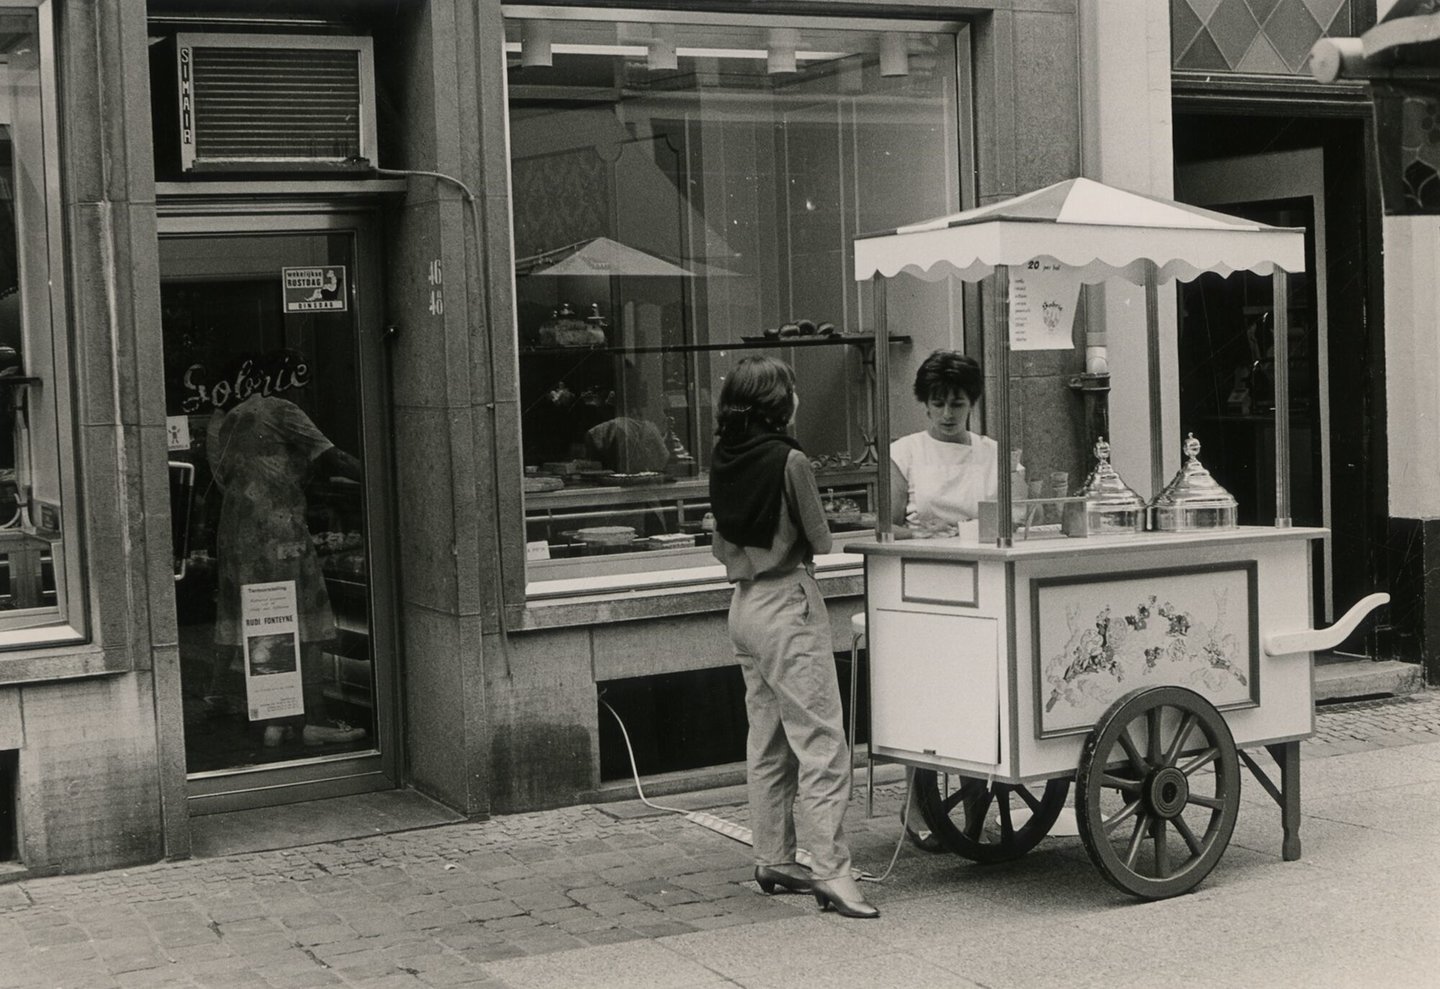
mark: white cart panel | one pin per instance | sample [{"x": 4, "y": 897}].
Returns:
[{"x": 957, "y": 716}]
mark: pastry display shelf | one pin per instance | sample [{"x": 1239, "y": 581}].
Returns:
[
  {"x": 687, "y": 490},
  {"x": 846, "y": 340}
]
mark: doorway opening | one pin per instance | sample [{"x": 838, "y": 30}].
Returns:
[
  {"x": 276, "y": 426},
  {"x": 1314, "y": 173}
]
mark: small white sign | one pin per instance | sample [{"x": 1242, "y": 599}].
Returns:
[
  {"x": 1043, "y": 296},
  {"x": 271, "y": 632},
  {"x": 539, "y": 549},
  {"x": 177, "y": 433},
  {"x": 315, "y": 289}
]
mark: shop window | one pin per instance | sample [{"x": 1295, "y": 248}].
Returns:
[
  {"x": 40, "y": 598},
  {"x": 686, "y": 189}
]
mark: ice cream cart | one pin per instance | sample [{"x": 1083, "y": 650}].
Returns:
[{"x": 1146, "y": 651}]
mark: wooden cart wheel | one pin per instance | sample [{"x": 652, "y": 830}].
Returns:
[
  {"x": 1158, "y": 790},
  {"x": 979, "y": 820}
]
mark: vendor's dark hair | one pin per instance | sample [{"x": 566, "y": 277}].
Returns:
[
  {"x": 758, "y": 395},
  {"x": 947, "y": 372}
]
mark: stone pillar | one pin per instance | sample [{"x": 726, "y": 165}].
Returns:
[{"x": 1125, "y": 120}]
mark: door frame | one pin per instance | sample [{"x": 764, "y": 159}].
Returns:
[
  {"x": 337, "y": 775},
  {"x": 1298, "y": 174}
]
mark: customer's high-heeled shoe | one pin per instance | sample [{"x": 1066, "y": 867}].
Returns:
[
  {"x": 768, "y": 878},
  {"x": 844, "y": 896}
]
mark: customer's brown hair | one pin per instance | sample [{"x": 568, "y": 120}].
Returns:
[{"x": 758, "y": 394}]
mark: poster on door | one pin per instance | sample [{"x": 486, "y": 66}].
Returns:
[
  {"x": 315, "y": 289},
  {"x": 1043, "y": 296},
  {"x": 271, "y": 632}
]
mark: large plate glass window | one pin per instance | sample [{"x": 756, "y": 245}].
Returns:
[
  {"x": 686, "y": 188},
  {"x": 40, "y": 589}
]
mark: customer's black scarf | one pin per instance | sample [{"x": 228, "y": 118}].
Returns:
[{"x": 747, "y": 481}]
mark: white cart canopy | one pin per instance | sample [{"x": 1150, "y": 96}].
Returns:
[{"x": 1099, "y": 231}]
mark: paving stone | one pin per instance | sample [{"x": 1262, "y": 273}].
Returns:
[
  {"x": 492, "y": 952},
  {"x": 596, "y": 894},
  {"x": 520, "y": 922},
  {"x": 490, "y": 910},
  {"x": 664, "y": 928},
  {"x": 472, "y": 892},
  {"x": 548, "y": 900},
  {"x": 306, "y": 980},
  {"x": 620, "y": 907},
  {"x": 612, "y": 935}
]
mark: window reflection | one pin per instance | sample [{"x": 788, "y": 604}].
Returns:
[
  {"x": 685, "y": 192},
  {"x": 38, "y": 579}
]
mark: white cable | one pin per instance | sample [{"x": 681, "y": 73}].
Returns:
[
  {"x": 635, "y": 770},
  {"x": 866, "y": 877}
]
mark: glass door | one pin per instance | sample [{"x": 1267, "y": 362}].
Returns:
[
  {"x": 275, "y": 423},
  {"x": 1227, "y": 352}
]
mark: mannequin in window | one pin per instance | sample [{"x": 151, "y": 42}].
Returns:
[{"x": 263, "y": 449}]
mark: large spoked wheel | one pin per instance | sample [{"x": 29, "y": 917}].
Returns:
[
  {"x": 1159, "y": 789},
  {"x": 989, "y": 822}
]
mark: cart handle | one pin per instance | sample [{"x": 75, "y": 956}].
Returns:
[{"x": 1318, "y": 639}]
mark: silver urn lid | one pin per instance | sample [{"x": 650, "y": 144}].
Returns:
[
  {"x": 1103, "y": 489},
  {"x": 1192, "y": 486}
]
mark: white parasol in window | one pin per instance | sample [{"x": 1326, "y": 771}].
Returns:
[
  {"x": 1096, "y": 232},
  {"x": 598, "y": 256}
]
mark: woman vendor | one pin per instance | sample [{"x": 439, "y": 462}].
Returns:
[{"x": 938, "y": 477}]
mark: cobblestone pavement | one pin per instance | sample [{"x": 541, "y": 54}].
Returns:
[
  {"x": 1399, "y": 720},
  {"x": 436, "y": 907}
]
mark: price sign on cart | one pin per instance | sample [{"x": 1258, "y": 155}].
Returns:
[{"x": 1043, "y": 295}]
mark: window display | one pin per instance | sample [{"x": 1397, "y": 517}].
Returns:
[
  {"x": 273, "y": 588},
  {"x": 685, "y": 187},
  {"x": 40, "y": 584}
]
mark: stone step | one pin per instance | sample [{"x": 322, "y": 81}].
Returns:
[{"x": 1342, "y": 677}]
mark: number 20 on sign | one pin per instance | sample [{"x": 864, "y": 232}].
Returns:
[{"x": 437, "y": 289}]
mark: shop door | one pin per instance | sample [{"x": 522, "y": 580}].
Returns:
[
  {"x": 275, "y": 418},
  {"x": 1226, "y": 348}
]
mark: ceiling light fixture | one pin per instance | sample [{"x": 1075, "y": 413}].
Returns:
[
  {"x": 781, "y": 55},
  {"x": 661, "y": 55},
  {"x": 536, "y": 44},
  {"x": 894, "y": 54}
]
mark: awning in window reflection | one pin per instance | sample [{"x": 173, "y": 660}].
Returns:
[{"x": 599, "y": 256}]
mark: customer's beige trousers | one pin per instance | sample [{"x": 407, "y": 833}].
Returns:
[{"x": 798, "y": 761}]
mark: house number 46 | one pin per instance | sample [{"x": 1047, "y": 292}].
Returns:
[{"x": 437, "y": 289}]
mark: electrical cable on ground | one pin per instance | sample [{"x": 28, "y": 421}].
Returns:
[{"x": 739, "y": 832}]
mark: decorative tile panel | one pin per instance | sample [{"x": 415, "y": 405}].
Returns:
[{"x": 1255, "y": 37}]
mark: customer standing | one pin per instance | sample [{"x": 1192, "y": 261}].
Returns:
[{"x": 769, "y": 524}]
